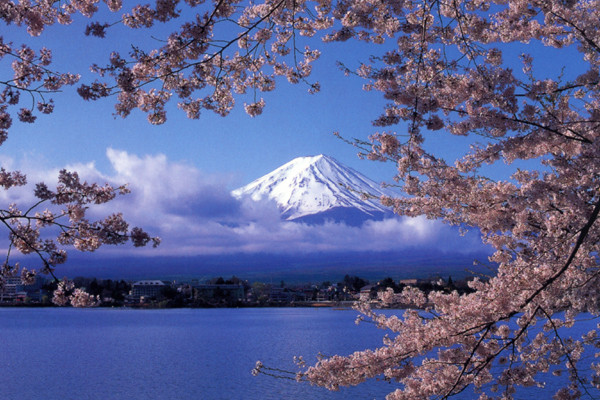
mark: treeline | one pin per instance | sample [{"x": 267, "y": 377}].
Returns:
[
  {"x": 238, "y": 292},
  {"x": 108, "y": 291}
]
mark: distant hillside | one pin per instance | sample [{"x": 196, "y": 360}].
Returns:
[{"x": 269, "y": 267}]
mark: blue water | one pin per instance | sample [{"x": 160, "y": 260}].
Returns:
[
  {"x": 65, "y": 353},
  {"x": 171, "y": 354}
]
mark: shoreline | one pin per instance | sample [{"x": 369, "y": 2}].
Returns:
[{"x": 336, "y": 305}]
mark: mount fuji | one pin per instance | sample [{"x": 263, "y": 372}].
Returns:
[
  {"x": 257, "y": 246},
  {"x": 317, "y": 189}
]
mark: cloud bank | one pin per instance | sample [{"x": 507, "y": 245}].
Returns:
[{"x": 195, "y": 214}]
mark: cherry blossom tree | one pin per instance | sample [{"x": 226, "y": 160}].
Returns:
[
  {"x": 447, "y": 68},
  {"x": 57, "y": 219},
  {"x": 453, "y": 69},
  {"x": 64, "y": 210}
]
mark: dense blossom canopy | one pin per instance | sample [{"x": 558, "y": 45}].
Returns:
[{"x": 446, "y": 67}]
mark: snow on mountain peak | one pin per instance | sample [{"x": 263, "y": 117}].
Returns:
[{"x": 307, "y": 186}]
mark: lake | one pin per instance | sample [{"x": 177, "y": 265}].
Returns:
[{"x": 66, "y": 353}]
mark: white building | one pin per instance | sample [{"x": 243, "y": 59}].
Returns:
[{"x": 147, "y": 289}]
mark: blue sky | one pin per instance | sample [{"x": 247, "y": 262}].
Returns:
[
  {"x": 181, "y": 172},
  {"x": 294, "y": 123}
]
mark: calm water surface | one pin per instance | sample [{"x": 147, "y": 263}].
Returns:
[
  {"x": 65, "y": 353},
  {"x": 56, "y": 353}
]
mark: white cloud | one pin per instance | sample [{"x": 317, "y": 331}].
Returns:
[{"x": 195, "y": 214}]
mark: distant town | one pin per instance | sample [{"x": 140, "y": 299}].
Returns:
[{"x": 220, "y": 292}]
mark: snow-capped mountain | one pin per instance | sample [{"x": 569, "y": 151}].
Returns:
[{"x": 315, "y": 189}]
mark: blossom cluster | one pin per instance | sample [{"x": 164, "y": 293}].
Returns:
[
  {"x": 67, "y": 293},
  {"x": 30, "y": 230},
  {"x": 201, "y": 69}
]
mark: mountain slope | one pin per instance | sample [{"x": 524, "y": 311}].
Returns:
[{"x": 314, "y": 189}]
